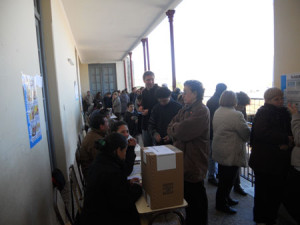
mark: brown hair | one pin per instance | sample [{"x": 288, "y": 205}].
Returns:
[{"x": 228, "y": 99}]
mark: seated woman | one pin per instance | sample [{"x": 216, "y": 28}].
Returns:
[
  {"x": 231, "y": 132},
  {"x": 122, "y": 128},
  {"x": 110, "y": 198}
]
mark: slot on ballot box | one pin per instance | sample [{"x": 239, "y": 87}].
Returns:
[{"x": 162, "y": 176}]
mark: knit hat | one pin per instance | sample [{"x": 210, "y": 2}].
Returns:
[{"x": 271, "y": 93}]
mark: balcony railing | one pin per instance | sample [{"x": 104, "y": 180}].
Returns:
[{"x": 255, "y": 103}]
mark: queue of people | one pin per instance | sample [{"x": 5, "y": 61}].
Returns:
[{"x": 213, "y": 139}]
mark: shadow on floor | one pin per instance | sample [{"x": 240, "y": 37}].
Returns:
[
  {"x": 243, "y": 216},
  {"x": 244, "y": 208}
]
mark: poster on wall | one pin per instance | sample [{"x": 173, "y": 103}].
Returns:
[
  {"x": 32, "y": 109},
  {"x": 76, "y": 90},
  {"x": 290, "y": 83}
]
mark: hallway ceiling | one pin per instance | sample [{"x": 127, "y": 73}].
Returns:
[{"x": 106, "y": 30}]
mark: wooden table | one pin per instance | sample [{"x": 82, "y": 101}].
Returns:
[{"x": 148, "y": 215}]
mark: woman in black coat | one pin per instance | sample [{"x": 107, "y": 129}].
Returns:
[
  {"x": 110, "y": 198},
  {"x": 271, "y": 142}
]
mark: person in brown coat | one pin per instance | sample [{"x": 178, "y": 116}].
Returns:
[
  {"x": 189, "y": 130},
  {"x": 88, "y": 152}
]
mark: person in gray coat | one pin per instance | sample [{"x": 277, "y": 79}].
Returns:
[
  {"x": 124, "y": 98},
  {"x": 231, "y": 133},
  {"x": 116, "y": 104}
]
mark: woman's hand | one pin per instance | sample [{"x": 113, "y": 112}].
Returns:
[
  {"x": 145, "y": 112},
  {"x": 292, "y": 108},
  {"x": 132, "y": 142},
  {"x": 135, "y": 180},
  {"x": 157, "y": 138}
]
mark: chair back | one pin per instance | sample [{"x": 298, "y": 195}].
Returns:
[
  {"x": 84, "y": 133},
  {"x": 78, "y": 169},
  {"x": 76, "y": 192},
  {"x": 60, "y": 209},
  {"x": 80, "y": 138}
]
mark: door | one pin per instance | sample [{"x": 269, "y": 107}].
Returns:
[{"x": 102, "y": 78}]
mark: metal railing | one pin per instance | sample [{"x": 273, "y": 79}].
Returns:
[
  {"x": 246, "y": 172},
  {"x": 255, "y": 103}
]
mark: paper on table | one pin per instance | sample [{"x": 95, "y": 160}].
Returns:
[
  {"x": 113, "y": 116},
  {"x": 136, "y": 172}
]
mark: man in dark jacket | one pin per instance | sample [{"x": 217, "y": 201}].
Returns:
[
  {"x": 161, "y": 115},
  {"x": 213, "y": 105},
  {"x": 133, "y": 95},
  {"x": 148, "y": 101},
  {"x": 88, "y": 152}
]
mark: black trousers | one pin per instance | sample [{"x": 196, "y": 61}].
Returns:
[
  {"x": 227, "y": 176},
  {"x": 237, "y": 181},
  {"x": 197, "y": 210},
  {"x": 268, "y": 192}
]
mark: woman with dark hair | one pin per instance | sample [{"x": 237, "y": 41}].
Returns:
[
  {"x": 98, "y": 99},
  {"x": 189, "y": 130},
  {"x": 109, "y": 197},
  {"x": 242, "y": 101},
  {"x": 122, "y": 128}
]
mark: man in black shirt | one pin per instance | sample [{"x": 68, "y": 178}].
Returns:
[
  {"x": 161, "y": 116},
  {"x": 213, "y": 105},
  {"x": 133, "y": 95}
]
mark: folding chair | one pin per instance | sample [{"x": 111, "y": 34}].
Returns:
[
  {"x": 80, "y": 138},
  {"x": 76, "y": 192},
  {"x": 78, "y": 169},
  {"x": 60, "y": 209}
]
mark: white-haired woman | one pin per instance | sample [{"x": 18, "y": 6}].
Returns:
[{"x": 231, "y": 133}]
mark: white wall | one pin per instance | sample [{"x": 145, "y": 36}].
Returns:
[
  {"x": 84, "y": 79},
  {"x": 286, "y": 41},
  {"x": 120, "y": 75},
  {"x": 64, "y": 49},
  {"x": 26, "y": 189}
]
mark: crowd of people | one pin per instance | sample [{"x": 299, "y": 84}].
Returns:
[{"x": 213, "y": 138}]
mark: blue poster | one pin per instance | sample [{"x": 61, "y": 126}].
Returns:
[{"x": 32, "y": 110}]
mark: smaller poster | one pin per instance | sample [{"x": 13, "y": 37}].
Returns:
[
  {"x": 293, "y": 89},
  {"x": 76, "y": 90},
  {"x": 32, "y": 109}
]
